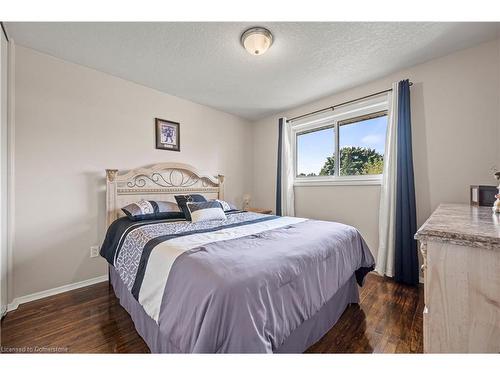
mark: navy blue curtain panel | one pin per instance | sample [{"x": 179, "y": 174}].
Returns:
[
  {"x": 278, "y": 171},
  {"x": 406, "y": 258}
]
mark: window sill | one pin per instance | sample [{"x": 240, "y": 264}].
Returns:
[{"x": 339, "y": 181}]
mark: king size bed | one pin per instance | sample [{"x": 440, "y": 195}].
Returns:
[{"x": 245, "y": 283}]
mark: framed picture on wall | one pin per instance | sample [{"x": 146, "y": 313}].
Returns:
[{"x": 167, "y": 135}]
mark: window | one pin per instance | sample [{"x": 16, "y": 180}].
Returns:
[
  {"x": 313, "y": 148},
  {"x": 362, "y": 145},
  {"x": 345, "y": 147}
]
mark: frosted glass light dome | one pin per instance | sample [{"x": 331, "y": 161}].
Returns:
[{"x": 257, "y": 40}]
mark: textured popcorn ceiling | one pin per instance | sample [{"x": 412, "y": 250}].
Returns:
[{"x": 205, "y": 63}]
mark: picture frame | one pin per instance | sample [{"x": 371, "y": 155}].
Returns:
[{"x": 167, "y": 135}]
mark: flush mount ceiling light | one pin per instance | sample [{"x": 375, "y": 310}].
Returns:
[{"x": 256, "y": 40}]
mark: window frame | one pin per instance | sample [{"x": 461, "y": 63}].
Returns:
[{"x": 332, "y": 120}]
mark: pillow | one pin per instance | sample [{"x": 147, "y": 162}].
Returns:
[
  {"x": 226, "y": 206},
  {"x": 205, "y": 211},
  {"x": 183, "y": 199},
  {"x": 147, "y": 210}
]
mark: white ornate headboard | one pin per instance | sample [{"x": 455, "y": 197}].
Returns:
[{"x": 158, "y": 182}]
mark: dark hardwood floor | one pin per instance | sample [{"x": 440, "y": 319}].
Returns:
[{"x": 91, "y": 320}]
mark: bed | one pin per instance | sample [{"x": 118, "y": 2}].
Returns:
[{"x": 250, "y": 283}]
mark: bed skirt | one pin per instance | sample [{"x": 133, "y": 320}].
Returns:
[{"x": 308, "y": 333}]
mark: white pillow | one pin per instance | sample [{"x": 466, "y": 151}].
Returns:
[{"x": 205, "y": 211}]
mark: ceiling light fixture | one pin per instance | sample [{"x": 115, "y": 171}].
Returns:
[{"x": 257, "y": 40}]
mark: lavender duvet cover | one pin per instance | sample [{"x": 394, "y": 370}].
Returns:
[{"x": 240, "y": 285}]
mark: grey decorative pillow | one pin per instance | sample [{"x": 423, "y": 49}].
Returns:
[
  {"x": 205, "y": 211},
  {"x": 148, "y": 210},
  {"x": 182, "y": 201},
  {"x": 226, "y": 206}
]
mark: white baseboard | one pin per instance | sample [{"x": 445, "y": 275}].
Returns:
[{"x": 50, "y": 292}]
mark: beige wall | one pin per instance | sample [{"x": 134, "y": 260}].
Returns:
[
  {"x": 72, "y": 123},
  {"x": 455, "y": 121}
]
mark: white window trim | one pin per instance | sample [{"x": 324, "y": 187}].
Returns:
[
  {"x": 339, "y": 180},
  {"x": 324, "y": 120}
]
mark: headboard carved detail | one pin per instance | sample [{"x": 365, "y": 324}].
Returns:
[
  {"x": 170, "y": 178},
  {"x": 157, "y": 182},
  {"x": 111, "y": 174}
]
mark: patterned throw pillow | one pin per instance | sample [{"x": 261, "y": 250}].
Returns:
[
  {"x": 226, "y": 206},
  {"x": 205, "y": 211},
  {"x": 148, "y": 210},
  {"x": 182, "y": 201}
]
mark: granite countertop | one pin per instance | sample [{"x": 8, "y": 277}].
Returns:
[{"x": 462, "y": 224}]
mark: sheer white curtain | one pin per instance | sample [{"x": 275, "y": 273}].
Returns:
[
  {"x": 387, "y": 214},
  {"x": 287, "y": 193}
]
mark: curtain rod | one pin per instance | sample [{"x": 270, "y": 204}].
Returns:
[
  {"x": 339, "y": 105},
  {"x": 4, "y": 32}
]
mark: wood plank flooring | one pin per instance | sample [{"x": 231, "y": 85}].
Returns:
[{"x": 91, "y": 320}]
